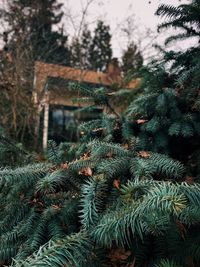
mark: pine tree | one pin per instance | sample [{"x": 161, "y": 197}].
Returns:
[
  {"x": 127, "y": 195},
  {"x": 132, "y": 59},
  {"x": 86, "y": 42},
  {"x": 171, "y": 115},
  {"x": 80, "y": 50},
  {"x": 33, "y": 21},
  {"x": 184, "y": 17},
  {"x": 100, "y": 49},
  {"x": 76, "y": 53}
]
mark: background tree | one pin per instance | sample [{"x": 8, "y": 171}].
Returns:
[
  {"x": 92, "y": 52},
  {"x": 34, "y": 21},
  {"x": 86, "y": 42},
  {"x": 100, "y": 50},
  {"x": 80, "y": 50},
  {"x": 131, "y": 31},
  {"x": 76, "y": 53},
  {"x": 132, "y": 59},
  {"x": 16, "y": 108}
]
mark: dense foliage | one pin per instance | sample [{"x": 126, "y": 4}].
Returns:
[{"x": 128, "y": 194}]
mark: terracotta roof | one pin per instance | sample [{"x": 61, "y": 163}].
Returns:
[
  {"x": 133, "y": 84},
  {"x": 45, "y": 70}
]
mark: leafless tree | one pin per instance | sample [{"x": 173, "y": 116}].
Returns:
[
  {"x": 131, "y": 31},
  {"x": 78, "y": 20}
]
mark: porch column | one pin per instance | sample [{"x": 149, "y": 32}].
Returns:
[{"x": 46, "y": 121}]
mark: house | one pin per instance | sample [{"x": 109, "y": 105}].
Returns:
[{"x": 54, "y": 101}]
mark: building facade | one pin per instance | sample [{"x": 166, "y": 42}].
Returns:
[{"x": 57, "y": 113}]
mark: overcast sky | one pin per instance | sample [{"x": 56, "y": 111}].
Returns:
[{"x": 115, "y": 12}]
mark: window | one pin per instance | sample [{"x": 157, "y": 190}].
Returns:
[{"x": 64, "y": 122}]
